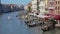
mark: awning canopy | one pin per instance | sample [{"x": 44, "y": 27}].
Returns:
[
  {"x": 42, "y": 16},
  {"x": 56, "y": 16}
]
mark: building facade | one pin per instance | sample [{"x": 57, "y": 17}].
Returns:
[
  {"x": 0, "y": 7},
  {"x": 57, "y": 6},
  {"x": 5, "y": 8},
  {"x": 46, "y": 6},
  {"x": 42, "y": 6},
  {"x": 26, "y": 7},
  {"x": 34, "y": 5},
  {"x": 51, "y": 6}
]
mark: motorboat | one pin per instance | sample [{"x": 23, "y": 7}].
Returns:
[
  {"x": 0, "y": 14},
  {"x": 48, "y": 25},
  {"x": 47, "y": 28},
  {"x": 34, "y": 23},
  {"x": 31, "y": 24}
]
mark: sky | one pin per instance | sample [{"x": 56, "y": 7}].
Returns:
[{"x": 15, "y": 1}]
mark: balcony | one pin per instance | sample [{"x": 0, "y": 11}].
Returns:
[
  {"x": 50, "y": 7},
  {"x": 34, "y": 2},
  {"x": 51, "y": 0}
]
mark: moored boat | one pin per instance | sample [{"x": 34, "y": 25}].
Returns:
[
  {"x": 49, "y": 25},
  {"x": 0, "y": 13}
]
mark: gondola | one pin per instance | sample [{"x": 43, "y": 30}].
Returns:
[
  {"x": 0, "y": 13},
  {"x": 49, "y": 25},
  {"x": 47, "y": 28},
  {"x": 34, "y": 23}
]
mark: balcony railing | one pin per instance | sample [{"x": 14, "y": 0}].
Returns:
[
  {"x": 50, "y": 7},
  {"x": 51, "y": 0}
]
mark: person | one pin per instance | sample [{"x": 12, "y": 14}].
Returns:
[{"x": 53, "y": 22}]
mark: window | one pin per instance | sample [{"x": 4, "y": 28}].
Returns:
[
  {"x": 35, "y": 8},
  {"x": 58, "y": 12},
  {"x": 51, "y": 4},
  {"x": 56, "y": 2},
  {"x": 56, "y": 8},
  {"x": 41, "y": 7},
  {"x": 35, "y": 4},
  {"x": 59, "y": 7},
  {"x": 42, "y": 0},
  {"x": 51, "y": 0}
]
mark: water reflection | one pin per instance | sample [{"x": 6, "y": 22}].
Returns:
[{"x": 50, "y": 32}]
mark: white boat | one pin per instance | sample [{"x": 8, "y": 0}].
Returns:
[{"x": 9, "y": 17}]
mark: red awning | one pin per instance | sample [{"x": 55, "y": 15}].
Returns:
[{"x": 57, "y": 17}]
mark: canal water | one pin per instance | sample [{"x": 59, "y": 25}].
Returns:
[{"x": 17, "y": 26}]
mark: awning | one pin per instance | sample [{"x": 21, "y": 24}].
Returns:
[
  {"x": 42, "y": 16},
  {"x": 56, "y": 16}
]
